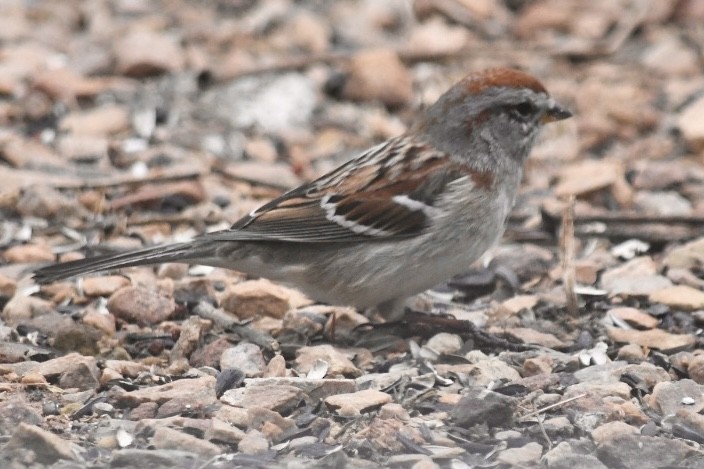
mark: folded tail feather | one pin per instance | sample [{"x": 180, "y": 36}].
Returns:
[{"x": 181, "y": 252}]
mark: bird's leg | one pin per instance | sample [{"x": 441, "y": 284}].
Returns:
[{"x": 392, "y": 310}]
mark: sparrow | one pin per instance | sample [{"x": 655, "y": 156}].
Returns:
[{"x": 400, "y": 218}]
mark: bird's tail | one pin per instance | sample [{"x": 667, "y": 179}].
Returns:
[{"x": 181, "y": 252}]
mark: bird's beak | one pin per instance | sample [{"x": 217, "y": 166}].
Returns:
[{"x": 555, "y": 113}]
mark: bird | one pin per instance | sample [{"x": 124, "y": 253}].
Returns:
[{"x": 400, "y": 218}]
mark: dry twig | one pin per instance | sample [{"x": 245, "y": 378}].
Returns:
[{"x": 567, "y": 257}]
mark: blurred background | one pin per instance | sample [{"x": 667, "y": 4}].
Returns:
[
  {"x": 132, "y": 122},
  {"x": 112, "y": 112}
]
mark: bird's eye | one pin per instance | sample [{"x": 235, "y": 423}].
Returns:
[{"x": 524, "y": 109}]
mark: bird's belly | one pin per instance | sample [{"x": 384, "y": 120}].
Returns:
[{"x": 383, "y": 273}]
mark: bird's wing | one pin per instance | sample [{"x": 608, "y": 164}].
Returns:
[{"x": 389, "y": 192}]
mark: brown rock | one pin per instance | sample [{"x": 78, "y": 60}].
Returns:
[
  {"x": 668, "y": 54},
  {"x": 586, "y": 271},
  {"x": 691, "y": 124},
  {"x": 338, "y": 363},
  {"x": 378, "y": 75},
  {"x": 385, "y": 435},
  {"x": 393, "y": 410},
  {"x": 7, "y": 286},
  {"x": 33, "y": 379},
  {"x": 209, "y": 355},
  {"x": 647, "y": 373},
  {"x": 280, "y": 398},
  {"x": 72, "y": 370},
  {"x": 67, "y": 85},
  {"x": 542, "y": 364},
  {"x": 80, "y": 375},
  {"x": 654, "y": 338},
  {"x": 103, "y": 121},
  {"x": 28, "y": 253},
  {"x": 696, "y": 369},
  {"x": 436, "y": 37},
  {"x": 47, "y": 447},
  {"x": 236, "y": 416},
  {"x": 224, "y": 432},
  {"x": 661, "y": 175},
  {"x": 109, "y": 375},
  {"x": 276, "y": 368},
  {"x": 588, "y": 176},
  {"x": 669, "y": 397},
  {"x": 525, "y": 456},
  {"x": 77, "y": 337},
  {"x": 260, "y": 298},
  {"x": 201, "y": 390},
  {"x": 21, "y": 153},
  {"x": 637, "y": 277},
  {"x": 519, "y": 303},
  {"x": 314, "y": 389},
  {"x": 177, "y": 406},
  {"x": 309, "y": 32},
  {"x": 611, "y": 430},
  {"x": 277, "y": 174},
  {"x": 149, "y": 195},
  {"x": 25, "y": 307},
  {"x": 357, "y": 402},
  {"x": 481, "y": 373},
  {"x": 128, "y": 368},
  {"x": 530, "y": 336},
  {"x": 687, "y": 256},
  {"x": 145, "y": 53},
  {"x": 168, "y": 438},
  {"x": 82, "y": 148},
  {"x": 45, "y": 202},
  {"x": 600, "y": 390},
  {"x": 104, "y": 285},
  {"x": 101, "y": 321},
  {"x": 261, "y": 149},
  {"x": 632, "y": 353},
  {"x": 254, "y": 442},
  {"x": 445, "y": 343},
  {"x": 663, "y": 203},
  {"x": 258, "y": 417},
  {"x": 141, "y": 306},
  {"x": 145, "y": 410},
  {"x": 634, "y": 317},
  {"x": 680, "y": 296}
]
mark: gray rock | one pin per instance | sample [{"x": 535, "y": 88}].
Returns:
[
  {"x": 281, "y": 398},
  {"x": 524, "y": 456},
  {"x": 314, "y": 389},
  {"x": 254, "y": 442},
  {"x": 483, "y": 406},
  {"x": 246, "y": 357},
  {"x": 168, "y": 438},
  {"x": 644, "y": 452},
  {"x": 600, "y": 373},
  {"x": 573, "y": 454},
  {"x": 155, "y": 459},
  {"x": 669, "y": 397},
  {"x": 12, "y": 413},
  {"x": 274, "y": 103},
  {"x": 666, "y": 203},
  {"x": 46, "y": 447}
]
